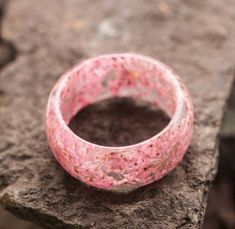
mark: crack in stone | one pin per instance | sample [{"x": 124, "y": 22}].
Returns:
[{"x": 6, "y": 146}]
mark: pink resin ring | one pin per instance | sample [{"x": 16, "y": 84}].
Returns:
[{"x": 123, "y": 168}]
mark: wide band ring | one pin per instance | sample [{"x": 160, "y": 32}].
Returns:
[{"x": 122, "y": 168}]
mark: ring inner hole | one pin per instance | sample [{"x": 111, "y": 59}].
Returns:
[{"x": 117, "y": 101}]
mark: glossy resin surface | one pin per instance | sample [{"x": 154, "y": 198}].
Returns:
[{"x": 123, "y": 168}]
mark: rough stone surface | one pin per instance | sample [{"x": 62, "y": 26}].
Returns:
[
  {"x": 220, "y": 211},
  {"x": 196, "y": 38},
  {"x": 121, "y": 121}
]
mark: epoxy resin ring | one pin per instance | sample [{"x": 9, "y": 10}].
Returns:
[{"x": 125, "y": 168}]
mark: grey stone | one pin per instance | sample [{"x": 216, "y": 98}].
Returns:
[{"x": 196, "y": 38}]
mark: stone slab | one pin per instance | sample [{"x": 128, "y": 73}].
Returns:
[{"x": 196, "y": 38}]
